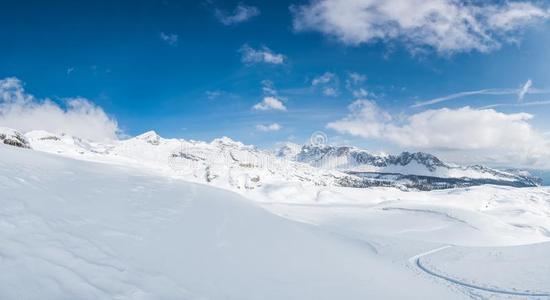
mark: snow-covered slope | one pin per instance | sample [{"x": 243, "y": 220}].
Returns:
[
  {"x": 406, "y": 164},
  {"x": 79, "y": 230},
  {"x": 222, "y": 162},
  {"x": 128, "y": 227},
  {"x": 509, "y": 271},
  {"x": 478, "y": 216}
]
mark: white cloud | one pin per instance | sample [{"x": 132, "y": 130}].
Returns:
[
  {"x": 353, "y": 84},
  {"x": 70, "y": 70},
  {"x": 330, "y": 92},
  {"x": 356, "y": 78},
  {"x": 211, "y": 95},
  {"x": 446, "y": 26},
  {"x": 250, "y": 55},
  {"x": 169, "y": 38},
  {"x": 328, "y": 83},
  {"x": 268, "y": 128},
  {"x": 360, "y": 93},
  {"x": 524, "y": 90},
  {"x": 491, "y": 135},
  {"x": 240, "y": 14},
  {"x": 22, "y": 111},
  {"x": 270, "y": 103},
  {"x": 268, "y": 88},
  {"x": 327, "y": 77}
]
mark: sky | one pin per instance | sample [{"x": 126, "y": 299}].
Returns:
[{"x": 466, "y": 80}]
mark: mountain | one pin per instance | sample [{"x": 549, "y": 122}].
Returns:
[
  {"x": 11, "y": 137},
  {"x": 223, "y": 162},
  {"x": 417, "y": 170},
  {"x": 288, "y": 150},
  {"x": 233, "y": 165}
]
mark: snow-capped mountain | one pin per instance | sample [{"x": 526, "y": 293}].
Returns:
[
  {"x": 230, "y": 164},
  {"x": 288, "y": 150},
  {"x": 222, "y": 162},
  {"x": 11, "y": 137},
  {"x": 416, "y": 168}
]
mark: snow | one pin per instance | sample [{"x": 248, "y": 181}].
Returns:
[
  {"x": 84, "y": 220},
  {"x": 505, "y": 269},
  {"x": 79, "y": 230},
  {"x": 479, "y": 216}
]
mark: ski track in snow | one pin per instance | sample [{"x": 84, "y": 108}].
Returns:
[{"x": 415, "y": 260}]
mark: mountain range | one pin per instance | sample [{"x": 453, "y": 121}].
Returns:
[{"x": 230, "y": 164}]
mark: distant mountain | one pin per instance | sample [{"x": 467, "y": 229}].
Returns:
[
  {"x": 420, "y": 170},
  {"x": 230, "y": 164}
]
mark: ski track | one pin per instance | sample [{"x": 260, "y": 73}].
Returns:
[{"x": 415, "y": 260}]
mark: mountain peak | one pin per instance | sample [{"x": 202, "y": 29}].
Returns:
[
  {"x": 150, "y": 137},
  {"x": 288, "y": 150},
  {"x": 226, "y": 141},
  {"x": 12, "y": 137}
]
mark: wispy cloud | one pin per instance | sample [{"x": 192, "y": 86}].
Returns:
[
  {"x": 521, "y": 104},
  {"x": 524, "y": 90},
  {"x": 268, "y": 88},
  {"x": 465, "y": 94},
  {"x": 354, "y": 85},
  {"x": 268, "y": 128},
  {"x": 169, "y": 38},
  {"x": 240, "y": 14},
  {"x": 356, "y": 78},
  {"x": 70, "y": 70},
  {"x": 211, "y": 95},
  {"x": 328, "y": 83},
  {"x": 330, "y": 92},
  {"x": 250, "y": 55},
  {"x": 325, "y": 78},
  {"x": 360, "y": 93}
]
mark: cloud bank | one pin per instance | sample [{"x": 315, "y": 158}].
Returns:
[
  {"x": 80, "y": 117},
  {"x": 490, "y": 135},
  {"x": 446, "y": 26}
]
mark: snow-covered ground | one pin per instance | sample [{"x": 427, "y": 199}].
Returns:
[
  {"x": 478, "y": 216},
  {"x": 79, "y": 230},
  {"x": 116, "y": 224}
]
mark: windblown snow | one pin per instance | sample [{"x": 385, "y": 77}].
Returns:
[{"x": 154, "y": 218}]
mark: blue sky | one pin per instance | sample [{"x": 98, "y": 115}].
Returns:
[{"x": 203, "y": 69}]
